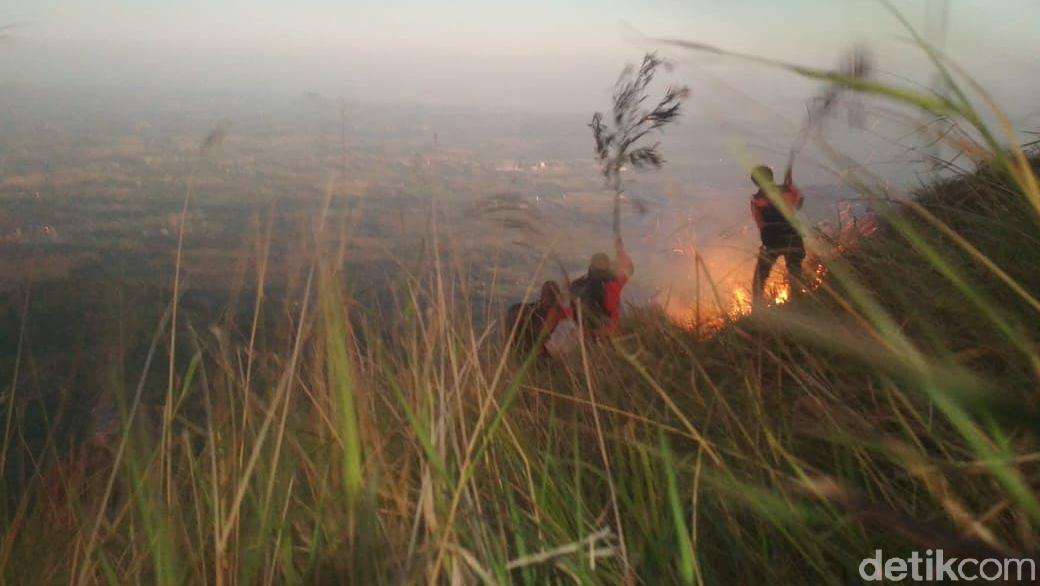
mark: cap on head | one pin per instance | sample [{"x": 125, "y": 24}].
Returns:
[
  {"x": 762, "y": 175},
  {"x": 600, "y": 262}
]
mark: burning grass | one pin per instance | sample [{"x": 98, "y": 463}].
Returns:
[{"x": 708, "y": 316}]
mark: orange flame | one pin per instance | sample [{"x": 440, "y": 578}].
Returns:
[{"x": 684, "y": 314}]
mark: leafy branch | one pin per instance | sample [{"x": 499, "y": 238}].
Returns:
[{"x": 617, "y": 140}]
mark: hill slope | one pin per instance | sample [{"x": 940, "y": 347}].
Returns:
[{"x": 895, "y": 408}]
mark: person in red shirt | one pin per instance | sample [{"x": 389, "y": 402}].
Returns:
[
  {"x": 550, "y": 311},
  {"x": 535, "y": 322},
  {"x": 779, "y": 236},
  {"x": 599, "y": 292}
]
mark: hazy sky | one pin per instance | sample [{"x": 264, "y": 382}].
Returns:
[
  {"x": 529, "y": 54},
  {"x": 532, "y": 27},
  {"x": 540, "y": 56}
]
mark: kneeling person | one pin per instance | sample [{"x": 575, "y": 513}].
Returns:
[
  {"x": 533, "y": 323},
  {"x": 599, "y": 292}
]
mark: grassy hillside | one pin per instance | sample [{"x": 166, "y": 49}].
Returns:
[{"x": 309, "y": 440}]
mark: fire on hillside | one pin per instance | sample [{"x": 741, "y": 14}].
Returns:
[
  {"x": 706, "y": 314},
  {"x": 711, "y": 314}
]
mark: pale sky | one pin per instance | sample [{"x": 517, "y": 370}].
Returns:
[
  {"x": 539, "y": 56},
  {"x": 506, "y": 26},
  {"x": 480, "y": 50}
]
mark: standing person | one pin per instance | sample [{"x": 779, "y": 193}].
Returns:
[
  {"x": 599, "y": 291},
  {"x": 779, "y": 236}
]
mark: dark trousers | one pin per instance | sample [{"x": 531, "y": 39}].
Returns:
[{"x": 792, "y": 249}]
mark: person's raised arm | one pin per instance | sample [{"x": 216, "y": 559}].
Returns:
[
  {"x": 795, "y": 198},
  {"x": 624, "y": 268}
]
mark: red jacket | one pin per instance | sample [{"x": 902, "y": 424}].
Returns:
[
  {"x": 623, "y": 270},
  {"x": 765, "y": 213}
]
